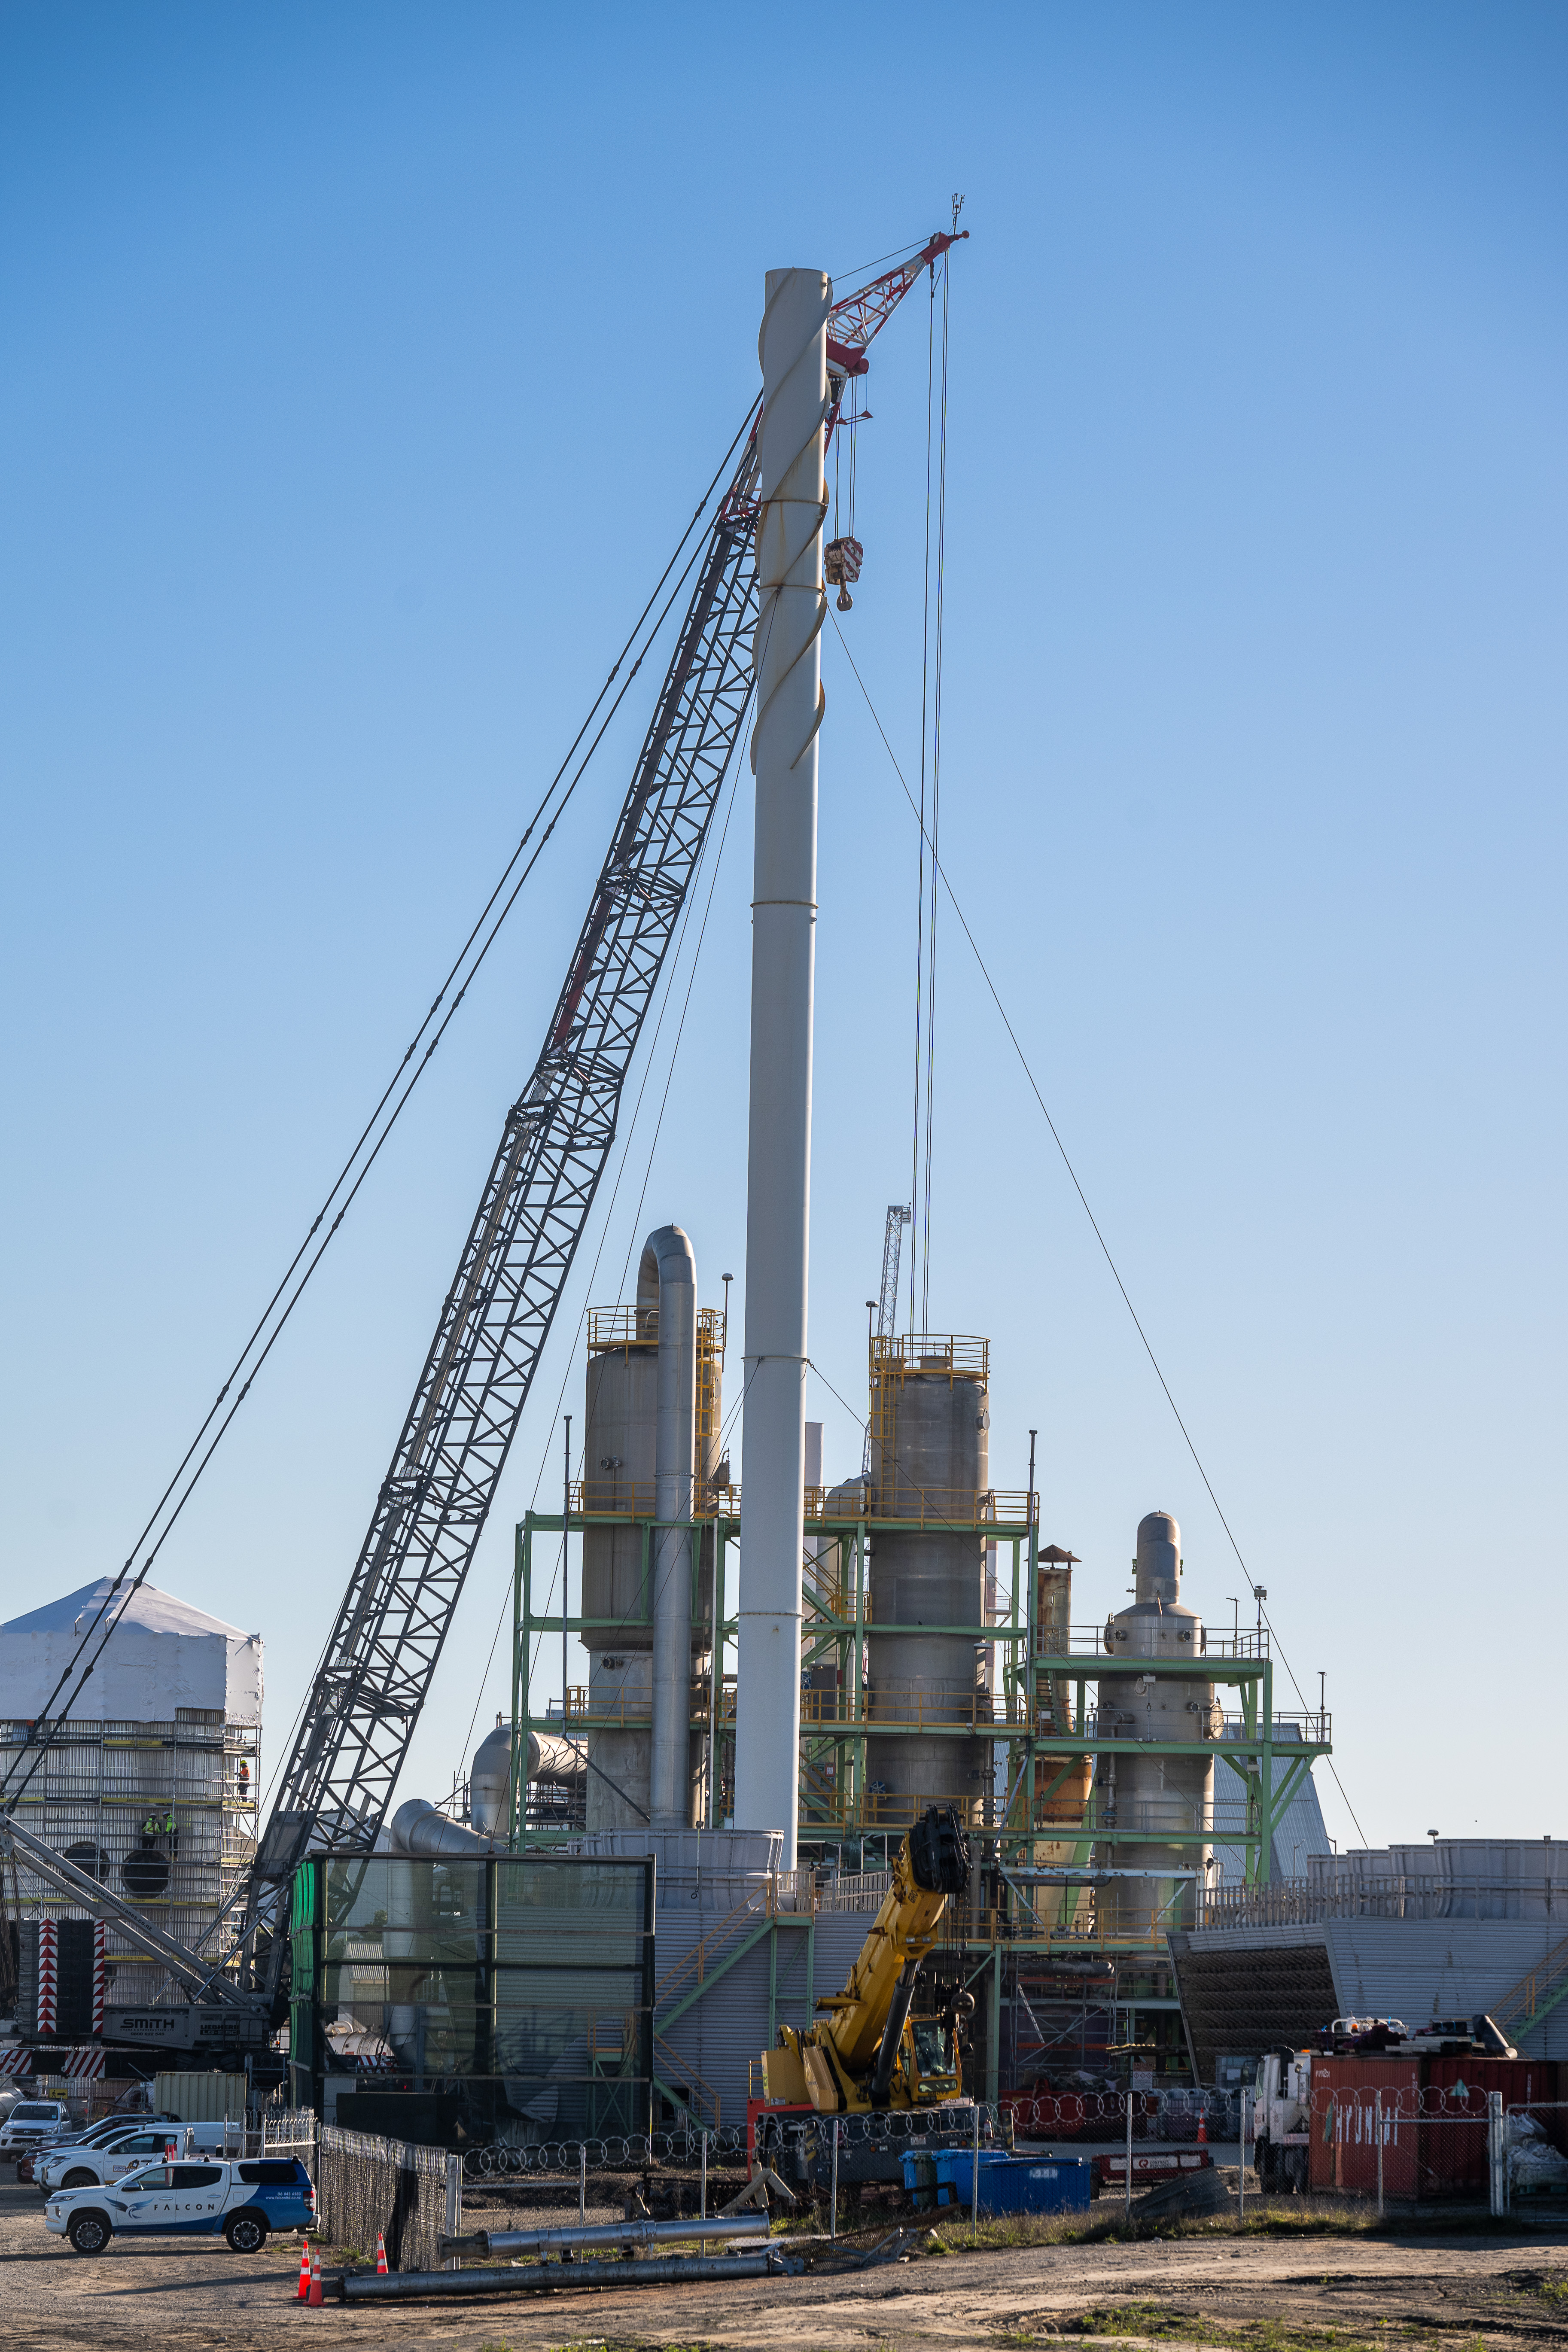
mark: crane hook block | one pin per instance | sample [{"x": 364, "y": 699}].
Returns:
[{"x": 841, "y": 561}]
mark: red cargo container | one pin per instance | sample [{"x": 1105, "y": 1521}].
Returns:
[
  {"x": 1433, "y": 2122},
  {"x": 1343, "y": 2136}
]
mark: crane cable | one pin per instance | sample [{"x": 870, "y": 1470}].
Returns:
[
  {"x": 401, "y": 1085},
  {"x": 1088, "y": 1213},
  {"x": 926, "y": 906},
  {"x": 615, "y": 1190}
]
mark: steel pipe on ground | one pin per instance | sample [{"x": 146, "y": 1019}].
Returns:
[
  {"x": 609, "y": 2234},
  {"x": 541, "y": 2278}
]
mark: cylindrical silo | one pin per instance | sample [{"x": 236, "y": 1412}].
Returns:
[
  {"x": 929, "y": 1464},
  {"x": 620, "y": 1437},
  {"x": 1151, "y": 1794},
  {"x": 620, "y": 1464}
]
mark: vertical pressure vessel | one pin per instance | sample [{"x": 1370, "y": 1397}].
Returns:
[
  {"x": 1140, "y": 1797},
  {"x": 930, "y": 1416}
]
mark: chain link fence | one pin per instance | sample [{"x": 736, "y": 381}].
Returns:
[{"x": 365, "y": 2185}]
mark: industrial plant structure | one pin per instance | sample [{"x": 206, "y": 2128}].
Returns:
[
  {"x": 648, "y": 1880},
  {"x": 939, "y": 1663},
  {"x": 149, "y": 1787}
]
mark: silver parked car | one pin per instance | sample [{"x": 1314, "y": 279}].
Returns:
[{"x": 30, "y": 2123}]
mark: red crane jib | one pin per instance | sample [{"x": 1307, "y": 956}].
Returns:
[{"x": 857, "y": 316}]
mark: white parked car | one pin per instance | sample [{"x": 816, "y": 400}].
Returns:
[
  {"x": 83, "y": 2165},
  {"x": 245, "y": 2200},
  {"x": 98, "y": 2135},
  {"x": 30, "y": 2123}
]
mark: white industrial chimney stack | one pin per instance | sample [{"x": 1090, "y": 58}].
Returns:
[{"x": 792, "y": 607}]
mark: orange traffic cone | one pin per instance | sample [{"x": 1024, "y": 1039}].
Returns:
[
  {"x": 305, "y": 2271},
  {"x": 316, "y": 2296},
  {"x": 381, "y": 2263}
]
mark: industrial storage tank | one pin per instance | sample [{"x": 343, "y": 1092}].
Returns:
[
  {"x": 620, "y": 1476},
  {"x": 620, "y": 1434},
  {"x": 1151, "y": 1794},
  {"x": 930, "y": 1418}
]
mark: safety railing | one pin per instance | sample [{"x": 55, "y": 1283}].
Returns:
[
  {"x": 1107, "y": 1639},
  {"x": 905, "y": 1352},
  {"x": 1538, "y": 1990},
  {"x": 637, "y": 1327},
  {"x": 1300, "y": 1901},
  {"x": 931, "y": 1507},
  {"x": 835, "y": 1604},
  {"x": 677, "y": 2075},
  {"x": 856, "y": 1890}
]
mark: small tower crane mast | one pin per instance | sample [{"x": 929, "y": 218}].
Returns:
[{"x": 887, "y": 1304}]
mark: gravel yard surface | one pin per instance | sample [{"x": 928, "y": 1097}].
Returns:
[{"x": 1401, "y": 2291}]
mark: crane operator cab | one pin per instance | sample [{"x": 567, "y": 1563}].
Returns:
[{"x": 870, "y": 2052}]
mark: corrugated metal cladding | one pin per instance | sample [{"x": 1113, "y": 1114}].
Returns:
[
  {"x": 1246, "y": 1940},
  {"x": 1301, "y": 1832},
  {"x": 718, "y": 2036},
  {"x": 1421, "y": 1968}
]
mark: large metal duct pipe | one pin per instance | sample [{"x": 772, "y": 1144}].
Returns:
[
  {"x": 790, "y": 609},
  {"x": 551, "y": 1763},
  {"x": 667, "y": 1278},
  {"x": 417, "y": 1828},
  {"x": 543, "y": 2278},
  {"x": 733, "y": 2227}
]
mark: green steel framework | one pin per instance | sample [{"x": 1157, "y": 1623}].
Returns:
[{"x": 834, "y": 1633}]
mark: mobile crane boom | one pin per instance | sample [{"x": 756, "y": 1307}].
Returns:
[{"x": 866, "y": 2054}]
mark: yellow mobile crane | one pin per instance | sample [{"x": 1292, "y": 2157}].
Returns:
[{"x": 869, "y": 2052}]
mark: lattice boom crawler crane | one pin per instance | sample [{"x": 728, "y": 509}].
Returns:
[{"x": 381, "y": 1656}]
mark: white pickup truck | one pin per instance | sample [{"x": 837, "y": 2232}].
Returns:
[
  {"x": 247, "y": 2201},
  {"x": 84, "y": 2165}
]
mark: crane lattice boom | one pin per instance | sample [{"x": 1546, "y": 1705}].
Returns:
[
  {"x": 380, "y": 1657},
  {"x": 432, "y": 1504}
]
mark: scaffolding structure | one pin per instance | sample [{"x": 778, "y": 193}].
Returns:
[{"x": 163, "y": 1813}]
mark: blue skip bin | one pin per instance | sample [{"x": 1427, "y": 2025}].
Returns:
[
  {"x": 955, "y": 2174},
  {"x": 1016, "y": 2184}
]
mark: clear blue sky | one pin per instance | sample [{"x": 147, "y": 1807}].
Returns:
[{"x": 363, "y": 363}]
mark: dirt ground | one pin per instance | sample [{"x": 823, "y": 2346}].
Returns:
[{"x": 1408, "y": 2290}]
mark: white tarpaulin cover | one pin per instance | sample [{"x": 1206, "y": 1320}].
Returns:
[{"x": 161, "y": 1654}]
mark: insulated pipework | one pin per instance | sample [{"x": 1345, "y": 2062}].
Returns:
[{"x": 667, "y": 1278}]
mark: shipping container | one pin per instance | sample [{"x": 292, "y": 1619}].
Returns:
[
  {"x": 1433, "y": 2121},
  {"x": 200, "y": 2098}
]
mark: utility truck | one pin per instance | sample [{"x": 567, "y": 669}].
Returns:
[{"x": 1282, "y": 2118}]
